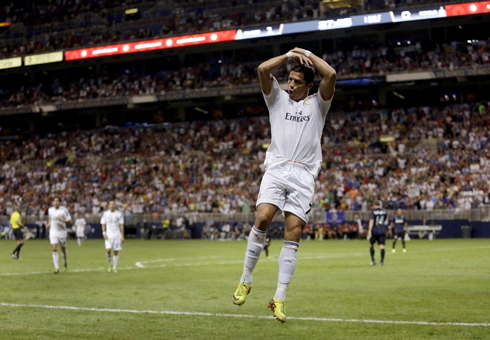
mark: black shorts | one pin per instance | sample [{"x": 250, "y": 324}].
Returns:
[
  {"x": 18, "y": 234},
  {"x": 377, "y": 238},
  {"x": 399, "y": 235}
]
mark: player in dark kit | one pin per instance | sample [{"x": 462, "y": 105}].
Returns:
[
  {"x": 377, "y": 231},
  {"x": 267, "y": 244},
  {"x": 399, "y": 227}
]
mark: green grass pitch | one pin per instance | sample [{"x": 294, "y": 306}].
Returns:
[{"x": 182, "y": 290}]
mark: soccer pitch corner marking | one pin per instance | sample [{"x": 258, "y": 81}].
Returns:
[{"x": 133, "y": 311}]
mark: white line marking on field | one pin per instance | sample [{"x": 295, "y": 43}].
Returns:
[
  {"x": 133, "y": 311},
  {"x": 144, "y": 264}
]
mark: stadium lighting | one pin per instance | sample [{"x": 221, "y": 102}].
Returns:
[{"x": 149, "y": 45}]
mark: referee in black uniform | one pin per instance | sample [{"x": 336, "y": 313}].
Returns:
[
  {"x": 16, "y": 224},
  {"x": 377, "y": 231}
]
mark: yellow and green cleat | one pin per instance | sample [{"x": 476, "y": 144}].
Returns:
[
  {"x": 241, "y": 293},
  {"x": 279, "y": 309}
]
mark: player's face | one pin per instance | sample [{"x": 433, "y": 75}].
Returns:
[
  {"x": 297, "y": 87},
  {"x": 399, "y": 212},
  {"x": 57, "y": 203},
  {"x": 112, "y": 206}
]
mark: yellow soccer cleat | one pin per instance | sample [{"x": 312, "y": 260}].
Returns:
[
  {"x": 109, "y": 269},
  {"x": 393, "y": 250},
  {"x": 241, "y": 293},
  {"x": 56, "y": 271},
  {"x": 279, "y": 309},
  {"x": 404, "y": 250}
]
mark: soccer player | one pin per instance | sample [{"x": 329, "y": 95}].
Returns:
[
  {"x": 80, "y": 228},
  {"x": 58, "y": 217},
  {"x": 377, "y": 231},
  {"x": 16, "y": 225},
  {"x": 292, "y": 163},
  {"x": 267, "y": 244},
  {"x": 399, "y": 227},
  {"x": 113, "y": 230}
]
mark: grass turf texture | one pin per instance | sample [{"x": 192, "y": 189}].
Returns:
[{"x": 441, "y": 281}]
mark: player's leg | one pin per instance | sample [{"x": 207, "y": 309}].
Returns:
[
  {"x": 54, "y": 254},
  {"x": 381, "y": 243},
  {"x": 395, "y": 237},
  {"x": 116, "y": 247},
  {"x": 255, "y": 245},
  {"x": 266, "y": 249},
  {"x": 403, "y": 243},
  {"x": 371, "y": 250},
  {"x": 287, "y": 263},
  {"x": 20, "y": 243},
  {"x": 64, "y": 254},
  {"x": 115, "y": 261},
  {"x": 108, "y": 248}
]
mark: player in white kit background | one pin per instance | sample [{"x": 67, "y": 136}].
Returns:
[
  {"x": 58, "y": 218},
  {"x": 292, "y": 163},
  {"x": 113, "y": 231},
  {"x": 80, "y": 224}
]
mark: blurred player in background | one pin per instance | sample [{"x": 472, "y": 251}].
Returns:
[
  {"x": 16, "y": 225},
  {"x": 80, "y": 228},
  {"x": 113, "y": 231},
  {"x": 292, "y": 163},
  {"x": 58, "y": 217},
  {"x": 377, "y": 231},
  {"x": 399, "y": 227},
  {"x": 267, "y": 244}
]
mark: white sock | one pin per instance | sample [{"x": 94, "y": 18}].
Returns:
[
  {"x": 287, "y": 265},
  {"x": 64, "y": 256},
  {"x": 109, "y": 258},
  {"x": 79, "y": 241},
  {"x": 116, "y": 260},
  {"x": 255, "y": 245},
  {"x": 55, "y": 260}
]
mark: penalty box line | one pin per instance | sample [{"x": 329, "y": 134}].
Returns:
[{"x": 133, "y": 311}]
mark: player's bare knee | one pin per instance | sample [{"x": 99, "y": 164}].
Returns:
[
  {"x": 293, "y": 233},
  {"x": 262, "y": 221}
]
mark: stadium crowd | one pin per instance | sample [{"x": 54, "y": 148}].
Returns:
[
  {"x": 66, "y": 24},
  {"x": 216, "y": 166},
  {"x": 358, "y": 62}
]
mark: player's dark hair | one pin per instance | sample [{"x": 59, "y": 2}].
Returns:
[
  {"x": 307, "y": 71},
  {"x": 57, "y": 198}
]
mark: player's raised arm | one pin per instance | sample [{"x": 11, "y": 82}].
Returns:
[
  {"x": 266, "y": 69},
  {"x": 327, "y": 85}
]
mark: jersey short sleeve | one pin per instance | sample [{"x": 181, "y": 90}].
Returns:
[
  {"x": 102, "y": 220},
  {"x": 120, "y": 220},
  {"x": 273, "y": 97}
]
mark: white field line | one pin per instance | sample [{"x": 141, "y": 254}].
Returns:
[
  {"x": 142, "y": 264},
  {"x": 111, "y": 310}
]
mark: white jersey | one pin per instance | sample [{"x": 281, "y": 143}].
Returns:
[
  {"x": 80, "y": 224},
  {"x": 57, "y": 227},
  {"x": 112, "y": 221},
  {"x": 296, "y": 129}
]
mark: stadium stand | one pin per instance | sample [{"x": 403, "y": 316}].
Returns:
[
  {"x": 58, "y": 25},
  {"x": 355, "y": 63},
  {"x": 420, "y": 154}
]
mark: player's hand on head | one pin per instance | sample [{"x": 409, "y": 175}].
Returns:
[{"x": 300, "y": 58}]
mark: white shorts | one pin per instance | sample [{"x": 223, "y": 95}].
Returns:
[
  {"x": 289, "y": 187},
  {"x": 57, "y": 239},
  {"x": 80, "y": 232},
  {"x": 113, "y": 243}
]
